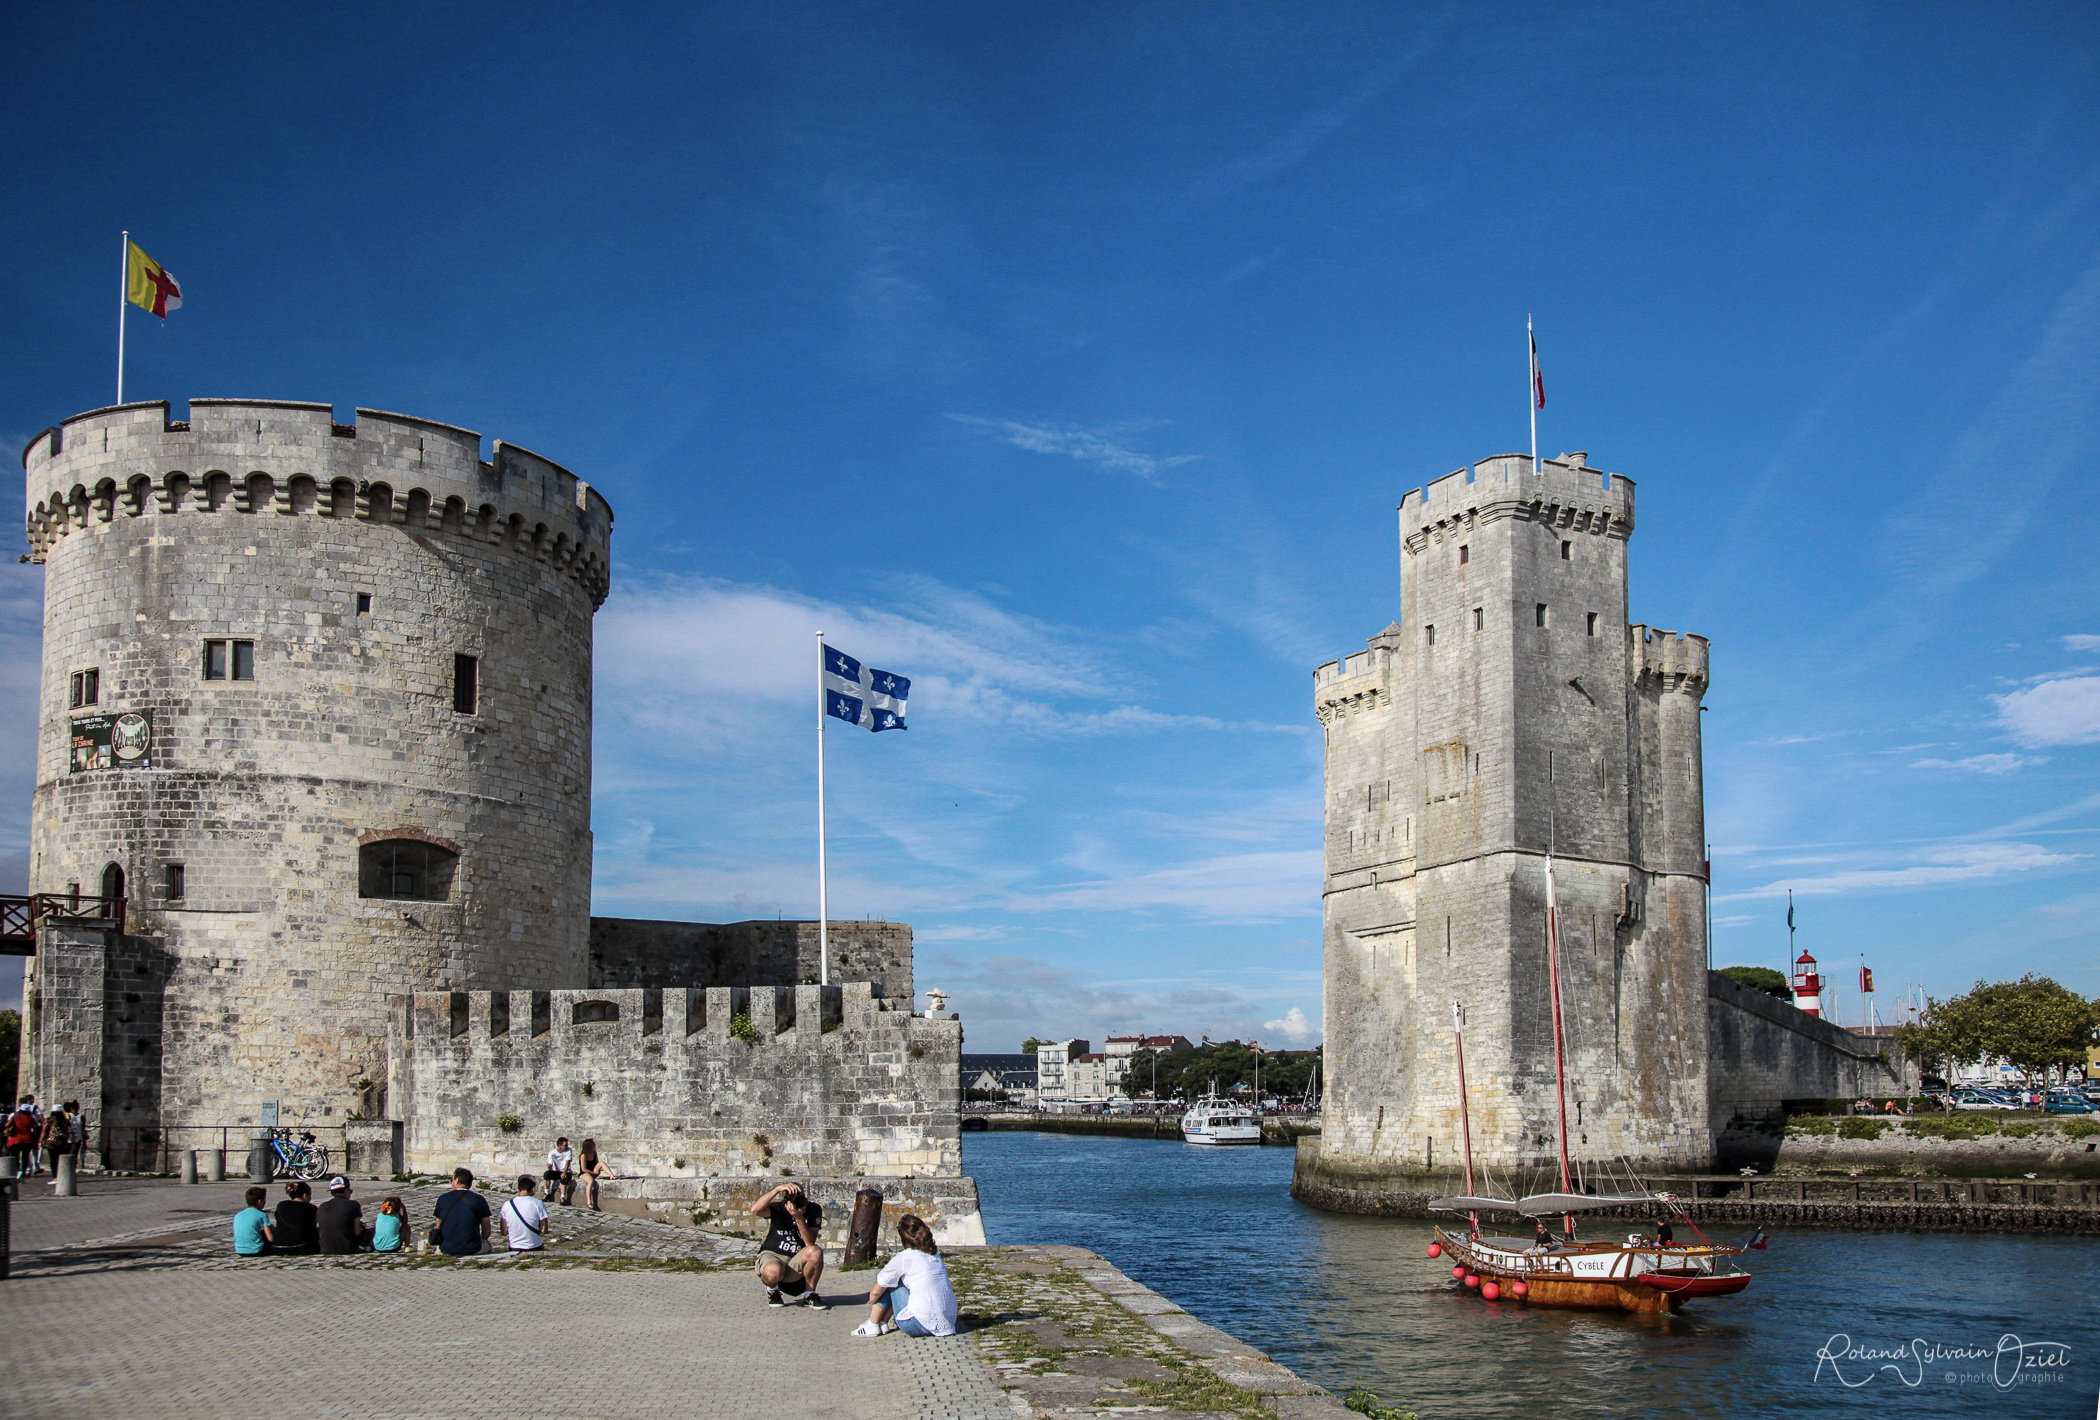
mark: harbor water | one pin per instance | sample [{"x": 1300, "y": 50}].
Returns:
[{"x": 1838, "y": 1322}]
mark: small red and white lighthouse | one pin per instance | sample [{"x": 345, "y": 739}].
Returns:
[{"x": 1808, "y": 986}]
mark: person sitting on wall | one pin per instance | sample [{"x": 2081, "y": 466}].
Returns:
[
  {"x": 294, "y": 1229},
  {"x": 1892, "y": 1107},
  {"x": 912, "y": 1287},
  {"x": 790, "y": 1260},
  {"x": 251, "y": 1226},
  {"x": 462, "y": 1225},
  {"x": 340, "y": 1222},
  {"x": 561, "y": 1171},
  {"x": 591, "y": 1167}
]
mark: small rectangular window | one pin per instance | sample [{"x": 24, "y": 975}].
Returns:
[
  {"x": 1564, "y": 549},
  {"x": 1478, "y": 620},
  {"x": 364, "y": 603},
  {"x": 1593, "y": 623},
  {"x": 174, "y": 881},
  {"x": 465, "y": 672},
  {"x": 215, "y": 660},
  {"x": 1465, "y": 554},
  {"x": 85, "y": 688},
  {"x": 244, "y": 660},
  {"x": 1432, "y": 634},
  {"x": 1541, "y": 613}
]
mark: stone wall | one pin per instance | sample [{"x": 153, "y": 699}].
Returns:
[
  {"x": 358, "y": 560},
  {"x": 1766, "y": 1051},
  {"x": 948, "y": 1205},
  {"x": 632, "y": 952},
  {"x": 93, "y": 1030},
  {"x": 834, "y": 1082}
]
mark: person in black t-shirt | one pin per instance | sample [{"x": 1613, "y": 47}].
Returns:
[
  {"x": 463, "y": 1217},
  {"x": 340, "y": 1221},
  {"x": 790, "y": 1260},
  {"x": 293, "y": 1228}
]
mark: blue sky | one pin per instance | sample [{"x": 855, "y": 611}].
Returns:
[{"x": 1070, "y": 359}]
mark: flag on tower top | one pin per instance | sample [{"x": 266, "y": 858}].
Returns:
[
  {"x": 148, "y": 285},
  {"x": 1866, "y": 979},
  {"x": 1538, "y": 376},
  {"x": 862, "y": 695}
]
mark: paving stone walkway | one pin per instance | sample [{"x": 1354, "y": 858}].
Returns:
[{"x": 620, "y": 1317}]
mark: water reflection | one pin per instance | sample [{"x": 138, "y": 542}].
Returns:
[{"x": 1355, "y": 1301}]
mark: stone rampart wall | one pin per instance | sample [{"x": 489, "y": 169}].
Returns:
[
  {"x": 831, "y": 1082},
  {"x": 1765, "y": 1051},
  {"x": 628, "y": 952}
]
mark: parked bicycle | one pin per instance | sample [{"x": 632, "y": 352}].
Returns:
[{"x": 297, "y": 1158}]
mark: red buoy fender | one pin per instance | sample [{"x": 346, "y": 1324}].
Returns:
[
  {"x": 1436, "y": 1249},
  {"x": 1473, "y": 1281},
  {"x": 1458, "y": 1272},
  {"x": 1490, "y": 1291},
  {"x": 1522, "y": 1289}
]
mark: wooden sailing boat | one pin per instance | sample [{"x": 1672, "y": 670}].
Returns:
[{"x": 1646, "y": 1273}]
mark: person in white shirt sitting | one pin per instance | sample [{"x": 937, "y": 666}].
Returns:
[
  {"x": 561, "y": 1171},
  {"x": 911, "y": 1293},
  {"x": 525, "y": 1218}
]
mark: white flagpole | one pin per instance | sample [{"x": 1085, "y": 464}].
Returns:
[
  {"x": 123, "y": 300},
  {"x": 823, "y": 875},
  {"x": 1531, "y": 389}
]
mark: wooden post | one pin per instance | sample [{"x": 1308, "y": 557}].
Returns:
[{"x": 867, "y": 1222}]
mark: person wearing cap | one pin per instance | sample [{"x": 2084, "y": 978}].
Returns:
[{"x": 341, "y": 1220}]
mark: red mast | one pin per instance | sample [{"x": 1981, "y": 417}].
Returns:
[{"x": 1465, "y": 1121}]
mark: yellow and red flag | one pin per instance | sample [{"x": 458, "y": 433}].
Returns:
[{"x": 148, "y": 285}]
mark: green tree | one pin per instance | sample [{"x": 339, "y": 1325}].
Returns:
[
  {"x": 1187, "y": 1074},
  {"x": 1028, "y": 1046},
  {"x": 10, "y": 1053},
  {"x": 1759, "y": 978},
  {"x": 2032, "y": 1024}
]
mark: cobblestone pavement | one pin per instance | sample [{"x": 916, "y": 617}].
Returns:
[{"x": 619, "y": 1317}]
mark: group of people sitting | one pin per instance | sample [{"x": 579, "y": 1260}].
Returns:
[
  {"x": 911, "y": 1293},
  {"x": 460, "y": 1227}
]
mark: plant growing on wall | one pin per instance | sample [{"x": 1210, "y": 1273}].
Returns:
[
  {"x": 509, "y": 1123},
  {"x": 740, "y": 1026}
]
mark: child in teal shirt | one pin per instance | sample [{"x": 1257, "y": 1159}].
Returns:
[
  {"x": 387, "y": 1227},
  {"x": 249, "y": 1237}
]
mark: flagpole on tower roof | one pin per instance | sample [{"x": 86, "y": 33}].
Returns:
[
  {"x": 1534, "y": 392},
  {"x": 123, "y": 300},
  {"x": 823, "y": 876}
]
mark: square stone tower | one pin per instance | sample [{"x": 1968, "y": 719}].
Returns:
[{"x": 1512, "y": 712}]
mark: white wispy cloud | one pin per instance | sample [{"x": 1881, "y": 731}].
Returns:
[
  {"x": 1983, "y": 763},
  {"x": 1104, "y": 445},
  {"x": 2056, "y": 712},
  {"x": 1244, "y": 887},
  {"x": 2081, "y": 643},
  {"x": 1955, "y": 863}
]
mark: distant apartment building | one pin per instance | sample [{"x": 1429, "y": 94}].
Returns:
[
  {"x": 1013, "y": 1075},
  {"x": 1053, "y": 1067}
]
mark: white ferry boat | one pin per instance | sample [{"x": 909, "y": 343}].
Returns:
[{"x": 1215, "y": 1120}]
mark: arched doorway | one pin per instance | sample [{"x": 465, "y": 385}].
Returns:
[{"x": 112, "y": 889}]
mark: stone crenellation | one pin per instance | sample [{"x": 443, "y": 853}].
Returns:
[
  {"x": 820, "y": 1081},
  {"x": 249, "y": 457}
]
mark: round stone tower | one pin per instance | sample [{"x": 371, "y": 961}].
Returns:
[{"x": 317, "y": 706}]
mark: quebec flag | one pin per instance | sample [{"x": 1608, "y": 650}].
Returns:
[{"x": 861, "y": 694}]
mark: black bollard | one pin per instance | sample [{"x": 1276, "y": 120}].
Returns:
[{"x": 867, "y": 1222}]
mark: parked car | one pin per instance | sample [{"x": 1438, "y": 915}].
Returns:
[
  {"x": 2068, "y": 1102},
  {"x": 1976, "y": 1099}
]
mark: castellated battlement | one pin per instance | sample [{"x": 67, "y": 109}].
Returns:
[
  {"x": 292, "y": 459},
  {"x": 1676, "y": 659},
  {"x": 833, "y": 1081},
  {"x": 1565, "y": 493}
]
